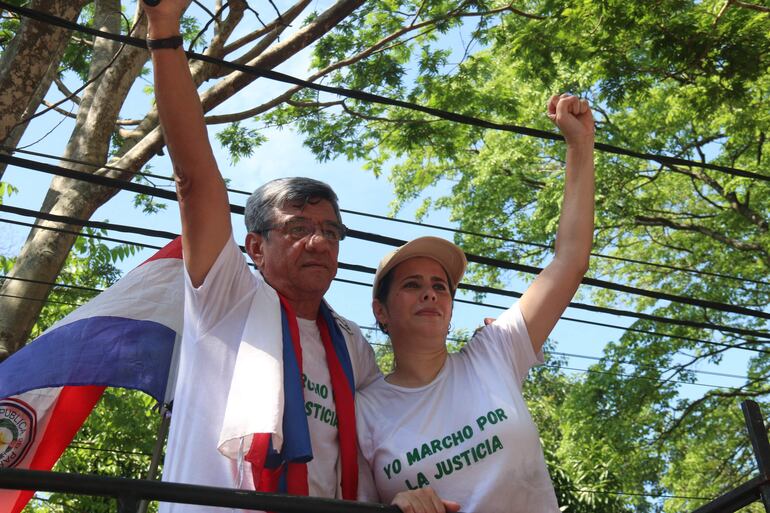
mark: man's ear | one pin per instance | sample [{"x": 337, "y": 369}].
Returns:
[{"x": 254, "y": 248}]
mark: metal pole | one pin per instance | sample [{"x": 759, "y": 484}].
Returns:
[
  {"x": 160, "y": 440},
  {"x": 127, "y": 504},
  {"x": 758, "y": 434}
]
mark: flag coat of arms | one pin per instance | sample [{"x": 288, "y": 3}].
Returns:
[{"x": 124, "y": 337}]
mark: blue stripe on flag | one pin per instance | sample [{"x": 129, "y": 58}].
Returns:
[{"x": 108, "y": 351}]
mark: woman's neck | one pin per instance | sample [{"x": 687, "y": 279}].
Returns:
[{"x": 416, "y": 366}]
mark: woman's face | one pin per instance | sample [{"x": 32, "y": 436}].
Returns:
[{"x": 419, "y": 301}]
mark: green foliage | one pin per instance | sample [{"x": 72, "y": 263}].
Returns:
[
  {"x": 6, "y": 189},
  {"x": 119, "y": 435},
  {"x": 148, "y": 204},
  {"x": 679, "y": 77},
  {"x": 117, "y": 440},
  {"x": 190, "y": 32},
  {"x": 240, "y": 141},
  {"x": 9, "y": 25}
]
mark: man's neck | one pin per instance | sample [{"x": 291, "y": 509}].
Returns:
[{"x": 306, "y": 309}]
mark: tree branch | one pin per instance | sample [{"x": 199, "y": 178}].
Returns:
[
  {"x": 278, "y": 26},
  {"x": 692, "y": 406},
  {"x": 58, "y": 109},
  {"x": 63, "y": 89},
  {"x": 668, "y": 223},
  {"x": 746, "y": 5}
]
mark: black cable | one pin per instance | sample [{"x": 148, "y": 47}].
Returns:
[
  {"x": 622, "y": 313},
  {"x": 352, "y": 267},
  {"x": 89, "y": 447},
  {"x": 51, "y": 284},
  {"x": 81, "y": 88},
  {"x": 143, "y": 174},
  {"x": 36, "y": 300},
  {"x": 406, "y": 221},
  {"x": 596, "y": 358},
  {"x": 594, "y": 323},
  {"x": 371, "y": 237},
  {"x": 543, "y": 246},
  {"x": 91, "y": 224},
  {"x": 373, "y": 98},
  {"x": 370, "y": 270},
  {"x": 621, "y": 362},
  {"x": 370, "y": 328},
  {"x": 635, "y": 377},
  {"x": 618, "y": 374},
  {"x": 71, "y": 232}
]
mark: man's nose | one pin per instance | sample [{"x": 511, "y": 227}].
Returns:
[{"x": 316, "y": 240}]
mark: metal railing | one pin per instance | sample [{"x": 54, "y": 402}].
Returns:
[
  {"x": 130, "y": 492},
  {"x": 757, "y": 488}
]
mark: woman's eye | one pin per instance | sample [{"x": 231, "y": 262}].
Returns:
[
  {"x": 411, "y": 285},
  {"x": 440, "y": 286}
]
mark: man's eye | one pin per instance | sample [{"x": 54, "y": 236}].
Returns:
[
  {"x": 331, "y": 234},
  {"x": 298, "y": 230}
]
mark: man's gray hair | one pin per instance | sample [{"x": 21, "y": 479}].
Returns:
[{"x": 280, "y": 192}]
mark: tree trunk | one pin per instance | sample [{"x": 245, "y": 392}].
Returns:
[
  {"x": 45, "y": 251},
  {"x": 24, "y": 75}
]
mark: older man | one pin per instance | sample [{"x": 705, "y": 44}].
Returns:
[{"x": 267, "y": 370}]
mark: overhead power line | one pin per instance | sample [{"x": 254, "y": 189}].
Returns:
[
  {"x": 555, "y": 366},
  {"x": 370, "y": 270},
  {"x": 359, "y": 268},
  {"x": 598, "y": 359},
  {"x": 371, "y": 237},
  {"x": 373, "y": 98},
  {"x": 362, "y": 269},
  {"x": 371, "y": 328},
  {"x": 90, "y": 235},
  {"x": 659, "y": 265},
  {"x": 612, "y": 311}
]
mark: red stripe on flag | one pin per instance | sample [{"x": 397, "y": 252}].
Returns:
[
  {"x": 171, "y": 250},
  {"x": 73, "y": 406}
]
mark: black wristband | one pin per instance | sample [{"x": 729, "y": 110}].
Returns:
[{"x": 172, "y": 42}]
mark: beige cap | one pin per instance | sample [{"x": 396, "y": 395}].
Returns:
[{"x": 449, "y": 255}]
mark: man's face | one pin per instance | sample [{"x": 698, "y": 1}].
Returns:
[{"x": 299, "y": 269}]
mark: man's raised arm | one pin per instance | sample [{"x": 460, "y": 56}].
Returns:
[{"x": 203, "y": 201}]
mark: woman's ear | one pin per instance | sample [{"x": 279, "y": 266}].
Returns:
[{"x": 380, "y": 312}]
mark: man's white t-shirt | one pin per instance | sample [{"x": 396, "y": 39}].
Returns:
[
  {"x": 214, "y": 320},
  {"x": 468, "y": 434}
]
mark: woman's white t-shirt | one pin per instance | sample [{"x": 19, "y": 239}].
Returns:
[{"x": 468, "y": 434}]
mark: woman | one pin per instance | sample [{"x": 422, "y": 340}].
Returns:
[{"x": 458, "y": 424}]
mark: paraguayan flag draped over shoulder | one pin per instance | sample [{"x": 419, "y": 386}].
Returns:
[{"x": 124, "y": 337}]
